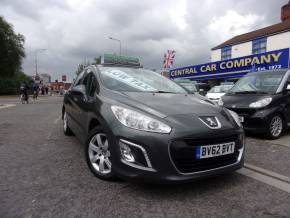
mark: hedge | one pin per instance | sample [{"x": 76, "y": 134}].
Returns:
[{"x": 10, "y": 85}]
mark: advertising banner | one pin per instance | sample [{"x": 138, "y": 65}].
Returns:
[
  {"x": 236, "y": 67},
  {"x": 121, "y": 60}
]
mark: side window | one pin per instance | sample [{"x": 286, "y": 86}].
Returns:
[
  {"x": 87, "y": 82},
  {"x": 91, "y": 84}
]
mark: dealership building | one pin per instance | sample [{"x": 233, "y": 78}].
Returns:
[{"x": 262, "y": 49}]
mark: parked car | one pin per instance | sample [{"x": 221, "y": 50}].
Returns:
[
  {"x": 262, "y": 100},
  {"x": 190, "y": 86},
  {"x": 193, "y": 87},
  {"x": 202, "y": 88},
  {"x": 139, "y": 125},
  {"x": 216, "y": 92}
]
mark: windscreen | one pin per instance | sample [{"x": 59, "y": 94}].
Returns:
[
  {"x": 267, "y": 82},
  {"x": 137, "y": 80}
]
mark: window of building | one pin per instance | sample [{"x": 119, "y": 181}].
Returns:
[
  {"x": 259, "y": 45},
  {"x": 226, "y": 53}
]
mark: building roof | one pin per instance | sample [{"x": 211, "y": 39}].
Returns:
[{"x": 270, "y": 30}]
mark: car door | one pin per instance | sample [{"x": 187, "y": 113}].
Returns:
[
  {"x": 88, "y": 106},
  {"x": 77, "y": 100},
  {"x": 70, "y": 102}
]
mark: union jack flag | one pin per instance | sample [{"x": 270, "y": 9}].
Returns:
[{"x": 168, "y": 59}]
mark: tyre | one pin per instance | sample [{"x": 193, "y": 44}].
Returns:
[
  {"x": 66, "y": 130},
  {"x": 275, "y": 127},
  {"x": 99, "y": 154}
]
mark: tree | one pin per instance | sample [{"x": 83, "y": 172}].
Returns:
[
  {"x": 10, "y": 85},
  {"x": 97, "y": 60},
  {"x": 11, "y": 50}
]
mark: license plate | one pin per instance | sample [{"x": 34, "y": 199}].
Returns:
[
  {"x": 241, "y": 119},
  {"x": 207, "y": 151}
]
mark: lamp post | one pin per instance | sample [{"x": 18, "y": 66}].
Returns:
[
  {"x": 118, "y": 40},
  {"x": 35, "y": 53}
]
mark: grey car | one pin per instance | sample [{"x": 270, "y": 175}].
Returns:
[{"x": 140, "y": 126}]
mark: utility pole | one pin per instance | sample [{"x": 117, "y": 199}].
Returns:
[
  {"x": 120, "y": 43},
  {"x": 35, "y": 53}
]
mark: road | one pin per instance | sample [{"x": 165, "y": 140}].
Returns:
[{"x": 43, "y": 174}]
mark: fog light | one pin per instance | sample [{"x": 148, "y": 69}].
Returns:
[{"x": 126, "y": 153}]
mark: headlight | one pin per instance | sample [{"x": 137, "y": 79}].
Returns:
[
  {"x": 220, "y": 102},
  {"x": 261, "y": 103},
  {"x": 235, "y": 117},
  {"x": 136, "y": 120}
]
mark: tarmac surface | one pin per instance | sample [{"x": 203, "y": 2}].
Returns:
[{"x": 43, "y": 174}]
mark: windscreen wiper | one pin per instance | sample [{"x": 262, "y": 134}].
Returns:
[
  {"x": 160, "y": 91},
  {"x": 250, "y": 92}
]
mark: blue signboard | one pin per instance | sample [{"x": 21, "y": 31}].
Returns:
[{"x": 237, "y": 67}]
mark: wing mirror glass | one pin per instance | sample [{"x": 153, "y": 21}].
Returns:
[{"x": 80, "y": 90}]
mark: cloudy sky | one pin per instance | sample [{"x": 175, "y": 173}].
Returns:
[{"x": 76, "y": 30}]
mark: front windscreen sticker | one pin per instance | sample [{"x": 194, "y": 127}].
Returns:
[{"x": 129, "y": 80}]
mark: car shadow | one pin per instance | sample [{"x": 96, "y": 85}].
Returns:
[
  {"x": 203, "y": 186},
  {"x": 262, "y": 136}
]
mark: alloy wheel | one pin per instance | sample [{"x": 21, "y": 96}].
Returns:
[
  {"x": 99, "y": 154},
  {"x": 276, "y": 126}
]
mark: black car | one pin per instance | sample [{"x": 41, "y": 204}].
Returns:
[
  {"x": 139, "y": 125},
  {"x": 262, "y": 100},
  {"x": 202, "y": 88}
]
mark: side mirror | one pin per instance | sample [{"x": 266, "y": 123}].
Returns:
[
  {"x": 80, "y": 90},
  {"x": 288, "y": 87}
]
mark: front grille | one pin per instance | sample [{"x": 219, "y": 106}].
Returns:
[
  {"x": 210, "y": 141},
  {"x": 183, "y": 154}
]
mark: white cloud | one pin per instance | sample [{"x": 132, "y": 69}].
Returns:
[
  {"x": 231, "y": 24},
  {"x": 178, "y": 14}
]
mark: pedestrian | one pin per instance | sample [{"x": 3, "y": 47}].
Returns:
[
  {"x": 23, "y": 92},
  {"x": 35, "y": 89}
]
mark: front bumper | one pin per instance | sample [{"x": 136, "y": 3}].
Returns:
[
  {"x": 255, "y": 121},
  {"x": 163, "y": 166}
]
